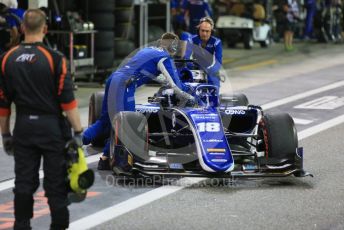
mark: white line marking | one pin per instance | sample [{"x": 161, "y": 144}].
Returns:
[
  {"x": 324, "y": 103},
  {"x": 10, "y": 183},
  {"x": 131, "y": 204},
  {"x": 320, "y": 127},
  {"x": 302, "y": 121},
  {"x": 302, "y": 95}
]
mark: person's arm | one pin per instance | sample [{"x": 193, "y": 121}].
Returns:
[
  {"x": 5, "y": 104},
  {"x": 74, "y": 119},
  {"x": 186, "y": 45},
  {"x": 168, "y": 69},
  {"x": 5, "y": 124},
  {"x": 5, "y": 112},
  {"x": 217, "y": 57},
  {"x": 66, "y": 97},
  {"x": 7, "y": 140}
]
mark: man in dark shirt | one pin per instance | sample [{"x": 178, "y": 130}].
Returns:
[{"x": 35, "y": 79}]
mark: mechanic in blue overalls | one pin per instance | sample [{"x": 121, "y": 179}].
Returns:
[
  {"x": 120, "y": 88},
  {"x": 311, "y": 8},
  {"x": 10, "y": 30},
  {"x": 177, "y": 13},
  {"x": 194, "y": 11},
  {"x": 207, "y": 50}
]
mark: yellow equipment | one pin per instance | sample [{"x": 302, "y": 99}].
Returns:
[{"x": 80, "y": 177}]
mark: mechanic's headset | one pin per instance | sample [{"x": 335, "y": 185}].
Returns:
[{"x": 208, "y": 20}]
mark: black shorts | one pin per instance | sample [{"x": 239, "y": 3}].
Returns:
[{"x": 289, "y": 26}]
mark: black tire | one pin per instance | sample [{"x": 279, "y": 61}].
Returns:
[
  {"x": 104, "y": 58},
  {"x": 103, "y": 21},
  {"x": 124, "y": 15},
  {"x": 104, "y": 39},
  {"x": 154, "y": 33},
  {"x": 248, "y": 40},
  {"x": 95, "y": 107},
  {"x": 237, "y": 99},
  {"x": 68, "y": 6},
  {"x": 131, "y": 130},
  {"x": 124, "y": 3},
  {"x": 94, "y": 113},
  {"x": 125, "y": 31},
  {"x": 123, "y": 48},
  {"x": 279, "y": 136},
  {"x": 102, "y": 5}
]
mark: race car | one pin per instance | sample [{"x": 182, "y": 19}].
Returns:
[{"x": 218, "y": 136}]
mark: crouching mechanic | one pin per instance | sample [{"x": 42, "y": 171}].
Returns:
[
  {"x": 211, "y": 60},
  {"x": 144, "y": 66}
]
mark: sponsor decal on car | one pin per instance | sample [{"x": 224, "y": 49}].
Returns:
[
  {"x": 212, "y": 153},
  {"x": 216, "y": 150},
  {"x": 213, "y": 140},
  {"x": 147, "y": 110},
  {"x": 219, "y": 160},
  {"x": 130, "y": 160},
  {"x": 235, "y": 112},
  {"x": 249, "y": 167},
  {"x": 204, "y": 117},
  {"x": 176, "y": 166},
  {"x": 174, "y": 120}
]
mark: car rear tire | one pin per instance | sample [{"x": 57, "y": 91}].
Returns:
[
  {"x": 95, "y": 107},
  {"x": 94, "y": 113},
  {"x": 279, "y": 136}
]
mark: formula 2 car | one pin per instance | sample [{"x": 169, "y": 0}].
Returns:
[{"x": 218, "y": 136}]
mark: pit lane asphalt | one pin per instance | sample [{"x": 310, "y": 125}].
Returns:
[{"x": 211, "y": 201}]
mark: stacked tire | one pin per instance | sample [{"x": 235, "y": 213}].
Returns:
[
  {"x": 125, "y": 30},
  {"x": 102, "y": 15}
]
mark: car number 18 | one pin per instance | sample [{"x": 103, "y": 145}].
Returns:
[{"x": 208, "y": 127}]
